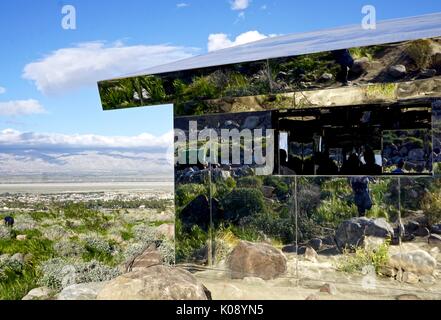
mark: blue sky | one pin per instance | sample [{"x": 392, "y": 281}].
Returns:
[{"x": 48, "y": 76}]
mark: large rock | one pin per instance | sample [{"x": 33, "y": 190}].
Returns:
[
  {"x": 436, "y": 229},
  {"x": 150, "y": 257},
  {"x": 351, "y": 233},
  {"x": 316, "y": 244},
  {"x": 42, "y": 293},
  {"x": 419, "y": 262},
  {"x": 360, "y": 65},
  {"x": 166, "y": 230},
  {"x": 435, "y": 240},
  {"x": 256, "y": 260},
  {"x": 398, "y": 71},
  {"x": 82, "y": 291},
  {"x": 155, "y": 283}
]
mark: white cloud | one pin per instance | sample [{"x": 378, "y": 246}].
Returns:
[
  {"x": 182, "y": 5},
  {"x": 221, "y": 40},
  {"x": 20, "y": 107},
  {"x": 17, "y": 139},
  {"x": 240, "y": 4},
  {"x": 85, "y": 64},
  {"x": 2, "y": 90}
]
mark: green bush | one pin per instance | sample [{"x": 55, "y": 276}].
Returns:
[
  {"x": 59, "y": 273},
  {"x": 98, "y": 249},
  {"x": 420, "y": 52},
  {"x": 243, "y": 202},
  {"x": 282, "y": 188},
  {"x": 221, "y": 189},
  {"x": 355, "y": 262},
  {"x": 432, "y": 207},
  {"x": 185, "y": 193},
  {"x": 249, "y": 182},
  {"x": 274, "y": 226},
  {"x": 188, "y": 243}
]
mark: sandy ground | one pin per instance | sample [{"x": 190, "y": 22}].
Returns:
[{"x": 304, "y": 279}]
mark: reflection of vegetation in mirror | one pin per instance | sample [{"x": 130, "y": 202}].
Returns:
[{"x": 407, "y": 151}]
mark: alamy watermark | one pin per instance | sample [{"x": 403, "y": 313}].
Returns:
[
  {"x": 369, "y": 21},
  {"x": 230, "y": 147},
  {"x": 69, "y": 19}
]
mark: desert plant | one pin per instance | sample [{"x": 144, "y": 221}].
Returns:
[
  {"x": 280, "y": 184},
  {"x": 154, "y": 87},
  {"x": 59, "y": 273},
  {"x": 66, "y": 248},
  {"x": 243, "y": 202},
  {"x": 431, "y": 205},
  {"x": 185, "y": 193},
  {"x": 249, "y": 182},
  {"x": 167, "y": 250},
  {"x": 188, "y": 243},
  {"x": 5, "y": 233},
  {"x": 420, "y": 52},
  {"x": 356, "y": 262}
]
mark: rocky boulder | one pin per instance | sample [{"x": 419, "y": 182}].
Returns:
[
  {"x": 166, "y": 230},
  {"x": 42, "y": 293},
  {"x": 155, "y": 283},
  {"x": 351, "y": 233},
  {"x": 81, "y": 292},
  {"x": 360, "y": 65},
  {"x": 150, "y": 257},
  {"x": 435, "y": 240},
  {"x": 399, "y": 71},
  {"x": 259, "y": 260},
  {"x": 418, "y": 262},
  {"x": 436, "y": 229}
]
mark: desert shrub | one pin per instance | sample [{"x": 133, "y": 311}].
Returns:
[
  {"x": 280, "y": 185},
  {"x": 10, "y": 263},
  {"x": 154, "y": 87},
  {"x": 18, "y": 278},
  {"x": 66, "y": 248},
  {"x": 96, "y": 244},
  {"x": 133, "y": 250},
  {"x": 272, "y": 225},
  {"x": 55, "y": 232},
  {"x": 334, "y": 211},
  {"x": 188, "y": 192},
  {"x": 249, "y": 182},
  {"x": 420, "y": 52},
  {"x": 59, "y": 273},
  {"x": 356, "y": 262},
  {"x": 40, "y": 249},
  {"x": 308, "y": 199},
  {"x": 243, "y": 202},
  {"x": 223, "y": 188},
  {"x": 92, "y": 220},
  {"x": 167, "y": 250},
  {"x": 15, "y": 285},
  {"x": 431, "y": 205},
  {"x": 188, "y": 243},
  {"x": 24, "y": 222},
  {"x": 144, "y": 233},
  {"x": 202, "y": 88},
  {"x": 5, "y": 233},
  {"x": 99, "y": 249}
]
